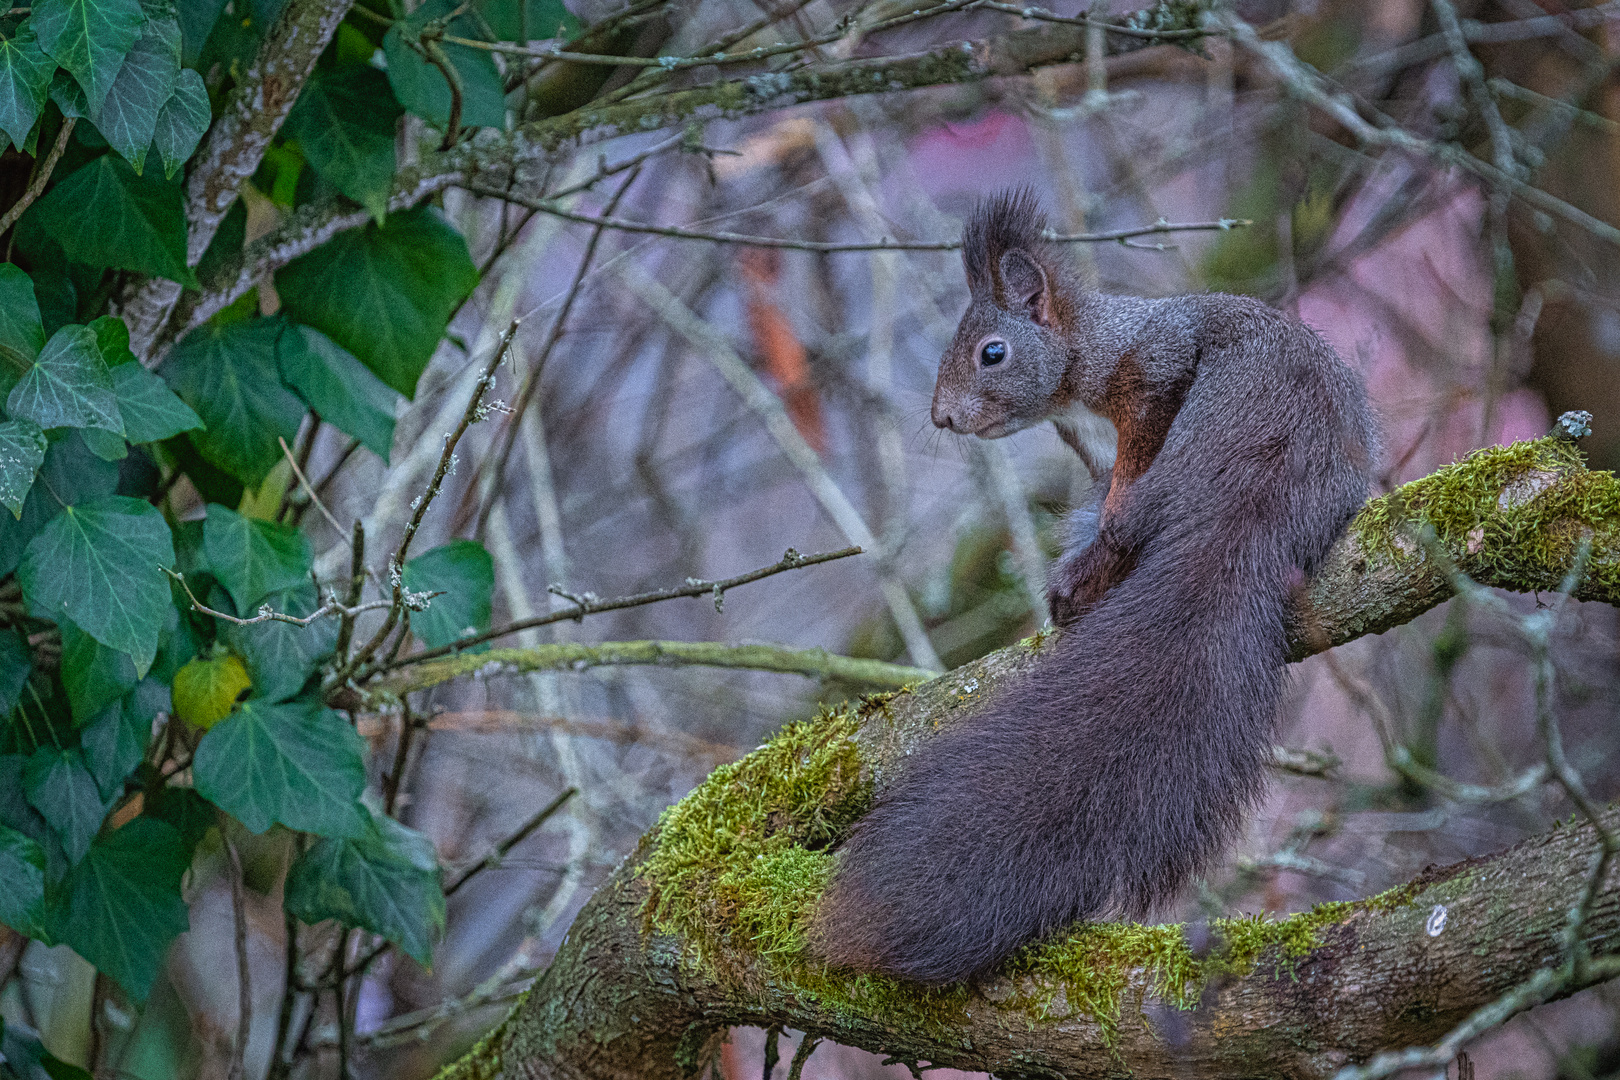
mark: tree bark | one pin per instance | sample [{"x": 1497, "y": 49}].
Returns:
[{"x": 639, "y": 992}]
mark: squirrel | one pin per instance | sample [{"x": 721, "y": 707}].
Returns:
[{"x": 1097, "y": 784}]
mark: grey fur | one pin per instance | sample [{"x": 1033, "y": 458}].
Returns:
[{"x": 1126, "y": 761}]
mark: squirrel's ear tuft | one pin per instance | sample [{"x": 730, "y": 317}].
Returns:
[
  {"x": 1024, "y": 287},
  {"x": 1010, "y": 221}
]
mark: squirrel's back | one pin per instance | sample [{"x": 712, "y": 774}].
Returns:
[{"x": 1125, "y": 760}]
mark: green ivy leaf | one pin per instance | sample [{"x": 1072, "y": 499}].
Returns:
[
  {"x": 25, "y": 82},
  {"x": 463, "y": 571},
  {"x": 69, "y": 95},
  {"x": 344, "y": 391},
  {"x": 22, "y": 882},
  {"x": 16, "y": 661},
  {"x": 299, "y": 764},
  {"x": 68, "y": 386},
  {"x": 185, "y": 810},
  {"x": 182, "y": 122},
  {"x": 58, "y": 785},
  {"x": 229, "y": 375},
  {"x": 385, "y": 293},
  {"x": 206, "y": 690},
  {"x": 22, "y": 451},
  {"x": 385, "y": 880},
  {"x": 151, "y": 411},
  {"x": 281, "y": 656},
  {"x": 70, "y": 475},
  {"x": 27, "y": 1059},
  {"x": 251, "y": 557},
  {"x": 114, "y": 744},
  {"x": 101, "y": 564},
  {"x": 21, "y": 333},
  {"x": 89, "y": 38},
  {"x": 105, "y": 214},
  {"x": 93, "y": 675},
  {"x": 344, "y": 122},
  {"x": 124, "y": 905},
  {"x": 547, "y": 19},
  {"x": 128, "y": 117},
  {"x": 421, "y": 87}
]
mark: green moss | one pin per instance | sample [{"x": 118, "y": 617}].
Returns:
[
  {"x": 1500, "y": 535},
  {"x": 736, "y": 868}
]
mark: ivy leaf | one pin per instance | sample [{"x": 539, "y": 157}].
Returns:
[
  {"x": 205, "y": 691},
  {"x": 344, "y": 122},
  {"x": 341, "y": 388},
  {"x": 16, "y": 661},
  {"x": 298, "y": 764},
  {"x": 68, "y": 386},
  {"x": 25, "y": 82},
  {"x": 421, "y": 87},
  {"x": 547, "y": 19},
  {"x": 114, "y": 744},
  {"x": 93, "y": 675},
  {"x": 151, "y": 411},
  {"x": 251, "y": 557},
  {"x": 197, "y": 18},
  {"x": 385, "y": 880},
  {"x": 21, "y": 333},
  {"x": 70, "y": 475},
  {"x": 105, "y": 214},
  {"x": 123, "y": 902},
  {"x": 69, "y": 95},
  {"x": 22, "y": 882},
  {"x": 229, "y": 375},
  {"x": 89, "y": 38},
  {"x": 101, "y": 564},
  {"x": 463, "y": 571},
  {"x": 145, "y": 82},
  {"x": 385, "y": 293},
  {"x": 22, "y": 451},
  {"x": 182, "y": 122},
  {"x": 59, "y": 785},
  {"x": 280, "y": 656}
]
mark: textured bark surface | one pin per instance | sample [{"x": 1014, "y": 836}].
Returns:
[{"x": 622, "y": 1001}]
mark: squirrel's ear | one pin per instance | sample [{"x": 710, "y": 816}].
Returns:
[{"x": 1023, "y": 281}]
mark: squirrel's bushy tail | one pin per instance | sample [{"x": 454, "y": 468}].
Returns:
[
  {"x": 1095, "y": 785},
  {"x": 1098, "y": 783}
]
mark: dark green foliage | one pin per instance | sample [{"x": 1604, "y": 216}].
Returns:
[
  {"x": 423, "y": 89},
  {"x": 386, "y": 880},
  {"x": 344, "y": 123},
  {"x": 105, "y": 214},
  {"x": 463, "y": 571},
  {"x": 340, "y": 388},
  {"x": 385, "y": 293}
]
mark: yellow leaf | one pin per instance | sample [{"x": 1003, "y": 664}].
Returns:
[{"x": 206, "y": 690}]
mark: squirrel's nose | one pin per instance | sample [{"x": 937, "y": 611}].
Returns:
[{"x": 942, "y": 417}]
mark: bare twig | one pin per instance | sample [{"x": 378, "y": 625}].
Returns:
[
  {"x": 42, "y": 176},
  {"x": 1107, "y": 26},
  {"x": 266, "y": 614},
  {"x": 807, "y": 1046},
  {"x": 308, "y": 490},
  {"x": 244, "y": 989},
  {"x": 547, "y": 206},
  {"x": 589, "y": 604},
  {"x": 748, "y": 385},
  {"x": 493, "y": 859},
  {"x": 447, "y": 461}
]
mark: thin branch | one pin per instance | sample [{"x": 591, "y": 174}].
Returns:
[
  {"x": 754, "y": 393},
  {"x": 590, "y": 604},
  {"x": 499, "y": 852},
  {"x": 574, "y": 656},
  {"x": 41, "y": 177},
  {"x": 474, "y": 412},
  {"x": 1124, "y": 29},
  {"x": 244, "y": 988},
  {"x": 546, "y": 206},
  {"x": 266, "y": 614},
  {"x": 807, "y": 1046},
  {"x": 308, "y": 490}
]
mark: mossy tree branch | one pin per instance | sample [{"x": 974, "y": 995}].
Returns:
[{"x": 703, "y": 926}]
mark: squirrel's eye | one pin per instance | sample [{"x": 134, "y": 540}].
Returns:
[{"x": 993, "y": 353}]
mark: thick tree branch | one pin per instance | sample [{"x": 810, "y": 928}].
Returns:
[{"x": 703, "y": 926}]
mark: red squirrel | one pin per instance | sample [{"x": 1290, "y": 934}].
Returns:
[{"x": 1124, "y": 762}]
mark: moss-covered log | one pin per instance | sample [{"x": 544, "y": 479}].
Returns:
[{"x": 703, "y": 926}]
